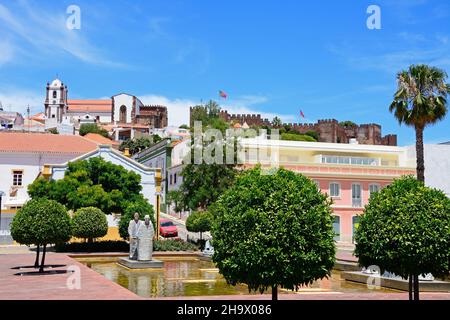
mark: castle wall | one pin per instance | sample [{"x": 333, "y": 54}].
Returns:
[{"x": 329, "y": 129}]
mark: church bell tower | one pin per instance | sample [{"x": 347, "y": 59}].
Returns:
[{"x": 55, "y": 101}]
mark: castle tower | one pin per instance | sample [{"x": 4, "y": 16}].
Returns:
[{"x": 56, "y": 101}]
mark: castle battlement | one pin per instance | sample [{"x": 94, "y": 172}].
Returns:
[{"x": 329, "y": 130}]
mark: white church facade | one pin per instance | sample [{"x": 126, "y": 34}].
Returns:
[{"x": 122, "y": 115}]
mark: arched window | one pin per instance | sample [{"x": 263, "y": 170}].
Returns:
[
  {"x": 123, "y": 114},
  {"x": 54, "y": 94}
]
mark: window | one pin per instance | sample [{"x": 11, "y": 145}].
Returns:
[
  {"x": 373, "y": 187},
  {"x": 123, "y": 114},
  {"x": 335, "y": 189},
  {"x": 54, "y": 94},
  {"x": 355, "y": 225},
  {"x": 350, "y": 160},
  {"x": 337, "y": 228},
  {"x": 356, "y": 195},
  {"x": 17, "y": 177},
  {"x": 175, "y": 178}
]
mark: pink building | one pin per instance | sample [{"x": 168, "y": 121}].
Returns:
[{"x": 347, "y": 173}]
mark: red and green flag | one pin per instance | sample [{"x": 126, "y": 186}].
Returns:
[{"x": 222, "y": 94}]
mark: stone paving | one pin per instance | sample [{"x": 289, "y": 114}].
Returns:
[{"x": 93, "y": 286}]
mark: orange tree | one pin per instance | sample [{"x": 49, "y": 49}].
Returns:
[
  {"x": 273, "y": 230},
  {"x": 405, "y": 229}
]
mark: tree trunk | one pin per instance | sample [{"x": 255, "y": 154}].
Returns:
[
  {"x": 41, "y": 269},
  {"x": 416, "y": 287},
  {"x": 274, "y": 293},
  {"x": 410, "y": 287},
  {"x": 421, "y": 177},
  {"x": 36, "y": 262},
  {"x": 420, "y": 155}
]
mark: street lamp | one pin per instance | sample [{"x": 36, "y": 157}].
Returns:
[
  {"x": 1, "y": 196},
  {"x": 158, "y": 194}
]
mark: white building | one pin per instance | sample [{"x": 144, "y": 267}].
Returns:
[
  {"x": 166, "y": 155},
  {"x": 26, "y": 156},
  {"x": 22, "y": 158},
  {"x": 180, "y": 149},
  {"x": 122, "y": 114},
  {"x": 172, "y": 132},
  {"x": 437, "y": 165},
  {"x": 106, "y": 152}
]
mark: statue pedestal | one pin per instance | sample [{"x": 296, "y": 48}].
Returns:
[{"x": 136, "y": 264}]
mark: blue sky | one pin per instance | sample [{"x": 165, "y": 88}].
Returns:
[{"x": 271, "y": 57}]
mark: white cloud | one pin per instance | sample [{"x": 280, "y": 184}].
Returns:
[
  {"x": 46, "y": 33},
  {"x": 178, "y": 108},
  {"x": 18, "y": 100},
  {"x": 14, "y": 99}
]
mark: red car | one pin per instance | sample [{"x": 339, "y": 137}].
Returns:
[{"x": 167, "y": 228}]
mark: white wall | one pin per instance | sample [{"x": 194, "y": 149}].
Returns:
[
  {"x": 171, "y": 172},
  {"x": 180, "y": 151},
  {"x": 126, "y": 100},
  {"x": 147, "y": 175},
  {"x": 437, "y": 165},
  {"x": 31, "y": 164}
]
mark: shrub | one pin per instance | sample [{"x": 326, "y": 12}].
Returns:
[
  {"x": 99, "y": 246},
  {"x": 273, "y": 230},
  {"x": 140, "y": 206},
  {"x": 86, "y": 128},
  {"x": 89, "y": 223},
  {"x": 199, "y": 221},
  {"x": 405, "y": 229},
  {"x": 297, "y": 137},
  {"x": 41, "y": 222},
  {"x": 123, "y": 246},
  {"x": 173, "y": 245}
]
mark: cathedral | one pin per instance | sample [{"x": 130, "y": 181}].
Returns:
[{"x": 123, "y": 115}]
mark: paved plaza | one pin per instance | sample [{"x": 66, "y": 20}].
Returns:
[{"x": 94, "y": 286}]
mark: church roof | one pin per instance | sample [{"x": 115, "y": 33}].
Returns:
[
  {"x": 90, "y": 105},
  {"x": 95, "y": 137},
  {"x": 39, "y": 142},
  {"x": 56, "y": 83}
]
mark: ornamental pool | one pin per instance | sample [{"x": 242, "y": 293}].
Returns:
[{"x": 191, "y": 276}]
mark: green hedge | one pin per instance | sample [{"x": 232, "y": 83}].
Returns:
[
  {"x": 123, "y": 246},
  {"x": 89, "y": 223}
]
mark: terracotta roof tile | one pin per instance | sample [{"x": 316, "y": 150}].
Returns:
[
  {"x": 97, "y": 138},
  {"x": 38, "y": 142},
  {"x": 89, "y": 105}
]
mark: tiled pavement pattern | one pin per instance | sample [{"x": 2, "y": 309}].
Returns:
[{"x": 94, "y": 286}]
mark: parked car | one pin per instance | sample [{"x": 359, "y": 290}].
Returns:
[{"x": 167, "y": 228}]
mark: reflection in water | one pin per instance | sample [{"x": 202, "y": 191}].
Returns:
[{"x": 195, "y": 277}]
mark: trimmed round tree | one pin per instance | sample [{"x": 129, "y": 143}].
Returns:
[
  {"x": 405, "y": 229},
  {"x": 199, "y": 221},
  {"x": 41, "y": 222},
  {"x": 273, "y": 230},
  {"x": 141, "y": 206},
  {"x": 89, "y": 223}
]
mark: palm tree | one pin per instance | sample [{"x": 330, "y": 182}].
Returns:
[
  {"x": 420, "y": 100},
  {"x": 276, "y": 122}
]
